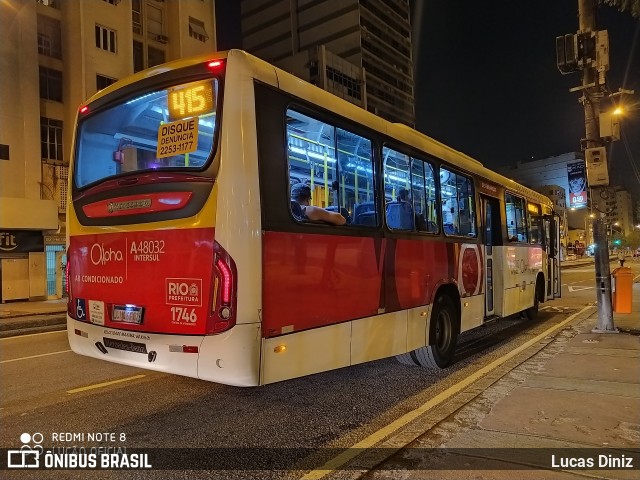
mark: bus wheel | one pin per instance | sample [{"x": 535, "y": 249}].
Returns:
[
  {"x": 406, "y": 359},
  {"x": 444, "y": 333},
  {"x": 532, "y": 312}
]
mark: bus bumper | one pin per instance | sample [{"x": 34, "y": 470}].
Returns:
[{"x": 231, "y": 358}]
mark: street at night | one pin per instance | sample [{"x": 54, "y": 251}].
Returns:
[{"x": 49, "y": 389}]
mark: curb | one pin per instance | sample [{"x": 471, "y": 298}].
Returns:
[{"x": 31, "y": 323}]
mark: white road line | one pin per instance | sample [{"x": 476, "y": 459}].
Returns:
[
  {"x": 355, "y": 450},
  {"x": 34, "y": 356},
  {"x": 33, "y": 334},
  {"x": 104, "y": 384}
]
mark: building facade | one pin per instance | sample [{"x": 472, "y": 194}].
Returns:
[
  {"x": 55, "y": 54},
  {"x": 357, "y": 49}
]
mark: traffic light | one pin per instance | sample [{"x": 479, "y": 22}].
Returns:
[{"x": 617, "y": 242}]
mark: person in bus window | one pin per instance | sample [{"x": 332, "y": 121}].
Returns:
[{"x": 301, "y": 194}]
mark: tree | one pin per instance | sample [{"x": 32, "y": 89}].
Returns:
[{"x": 632, "y": 6}]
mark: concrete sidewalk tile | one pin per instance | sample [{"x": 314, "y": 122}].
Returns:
[
  {"x": 584, "y": 385},
  {"x": 594, "y": 352},
  {"x": 568, "y": 415},
  {"x": 606, "y": 340},
  {"x": 602, "y": 367}
]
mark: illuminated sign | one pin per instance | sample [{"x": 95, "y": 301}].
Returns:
[
  {"x": 190, "y": 99},
  {"x": 577, "y": 184}
]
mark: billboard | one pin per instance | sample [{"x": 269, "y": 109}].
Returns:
[{"x": 577, "y": 184}]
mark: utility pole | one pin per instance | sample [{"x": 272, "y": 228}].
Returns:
[
  {"x": 588, "y": 51},
  {"x": 593, "y": 88}
]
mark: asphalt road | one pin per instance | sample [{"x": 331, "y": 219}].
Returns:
[{"x": 46, "y": 388}]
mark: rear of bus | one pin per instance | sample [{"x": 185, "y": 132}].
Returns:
[{"x": 150, "y": 283}]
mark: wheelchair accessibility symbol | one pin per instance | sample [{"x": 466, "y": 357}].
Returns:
[{"x": 81, "y": 309}]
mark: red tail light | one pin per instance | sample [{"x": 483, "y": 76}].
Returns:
[
  {"x": 215, "y": 64},
  {"x": 224, "y": 295}
]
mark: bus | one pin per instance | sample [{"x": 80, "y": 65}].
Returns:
[{"x": 188, "y": 255}]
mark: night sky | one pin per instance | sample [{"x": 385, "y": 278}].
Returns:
[
  {"x": 487, "y": 82},
  {"x": 486, "y": 79}
]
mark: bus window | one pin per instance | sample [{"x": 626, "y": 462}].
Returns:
[
  {"x": 155, "y": 131},
  {"x": 312, "y": 157},
  {"x": 516, "y": 225},
  {"x": 336, "y": 164},
  {"x": 534, "y": 220},
  {"x": 423, "y": 189},
  {"x": 458, "y": 205},
  {"x": 355, "y": 185},
  {"x": 397, "y": 190}
]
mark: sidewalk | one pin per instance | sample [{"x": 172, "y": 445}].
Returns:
[
  {"x": 577, "y": 397},
  {"x": 20, "y": 318}
]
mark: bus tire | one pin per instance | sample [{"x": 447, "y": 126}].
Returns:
[
  {"x": 444, "y": 334},
  {"x": 532, "y": 312},
  {"x": 406, "y": 359}
]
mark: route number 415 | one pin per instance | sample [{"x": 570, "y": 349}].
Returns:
[{"x": 183, "y": 314}]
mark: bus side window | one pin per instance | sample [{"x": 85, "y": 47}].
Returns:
[
  {"x": 516, "y": 218},
  {"x": 355, "y": 186},
  {"x": 458, "y": 204}
]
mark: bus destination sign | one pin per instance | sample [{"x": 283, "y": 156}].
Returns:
[{"x": 190, "y": 99}]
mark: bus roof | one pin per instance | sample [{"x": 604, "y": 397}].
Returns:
[{"x": 258, "y": 69}]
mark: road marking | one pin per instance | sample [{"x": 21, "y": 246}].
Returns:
[
  {"x": 577, "y": 289},
  {"x": 104, "y": 384},
  {"x": 376, "y": 437},
  {"x": 33, "y": 334},
  {"x": 34, "y": 356}
]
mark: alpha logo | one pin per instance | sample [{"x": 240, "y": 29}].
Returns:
[
  {"x": 184, "y": 291},
  {"x": 102, "y": 256}
]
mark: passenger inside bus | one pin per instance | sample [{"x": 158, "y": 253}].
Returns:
[
  {"x": 303, "y": 210},
  {"x": 400, "y": 212}
]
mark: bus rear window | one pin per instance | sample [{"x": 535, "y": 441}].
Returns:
[{"x": 172, "y": 128}]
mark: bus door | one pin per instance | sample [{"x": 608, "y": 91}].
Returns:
[
  {"x": 552, "y": 244},
  {"x": 492, "y": 237}
]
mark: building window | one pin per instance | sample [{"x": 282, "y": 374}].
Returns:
[
  {"x": 49, "y": 3},
  {"x": 196, "y": 30},
  {"x": 155, "y": 56},
  {"x": 105, "y": 38},
  {"x": 136, "y": 16},
  {"x": 155, "y": 23},
  {"x": 102, "y": 81},
  {"x": 4, "y": 152},
  {"x": 112, "y": 2},
  {"x": 51, "y": 139},
  {"x": 49, "y": 37},
  {"x": 138, "y": 56},
  {"x": 50, "y": 84}
]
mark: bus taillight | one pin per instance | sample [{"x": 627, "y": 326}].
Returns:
[
  {"x": 223, "y": 303},
  {"x": 215, "y": 64}
]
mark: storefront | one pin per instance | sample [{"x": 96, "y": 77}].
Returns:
[{"x": 31, "y": 265}]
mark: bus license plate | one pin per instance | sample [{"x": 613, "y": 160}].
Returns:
[{"x": 127, "y": 314}]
